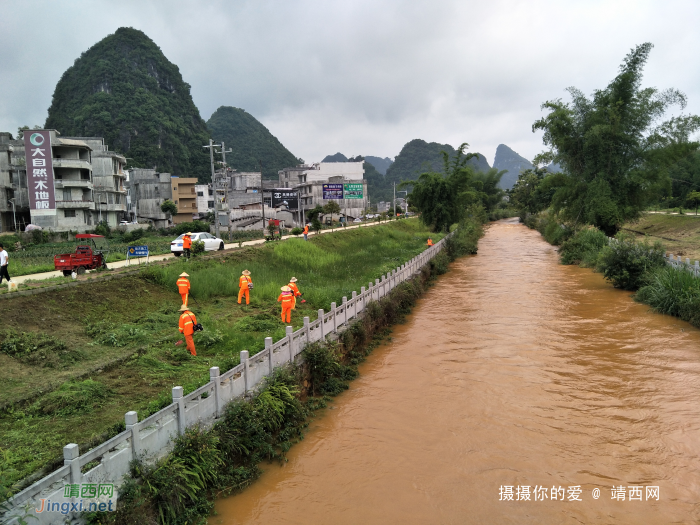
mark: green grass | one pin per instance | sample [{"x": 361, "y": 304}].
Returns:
[{"x": 126, "y": 330}]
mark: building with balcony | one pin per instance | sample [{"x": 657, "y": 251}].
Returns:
[
  {"x": 146, "y": 191},
  {"x": 14, "y": 201},
  {"x": 184, "y": 195},
  {"x": 311, "y": 195},
  {"x": 108, "y": 177}
]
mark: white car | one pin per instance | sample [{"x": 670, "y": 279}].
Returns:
[
  {"x": 357, "y": 220},
  {"x": 211, "y": 243}
]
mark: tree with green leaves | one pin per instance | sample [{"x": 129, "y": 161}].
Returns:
[
  {"x": 169, "y": 207},
  {"x": 442, "y": 198},
  {"x": 693, "y": 200},
  {"x": 612, "y": 146},
  {"x": 331, "y": 208}
]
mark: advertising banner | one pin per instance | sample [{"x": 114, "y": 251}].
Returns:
[
  {"x": 37, "y": 148},
  {"x": 353, "y": 191},
  {"x": 332, "y": 191},
  {"x": 285, "y": 197}
]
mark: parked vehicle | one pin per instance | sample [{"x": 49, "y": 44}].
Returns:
[
  {"x": 357, "y": 220},
  {"x": 211, "y": 243},
  {"x": 90, "y": 254}
]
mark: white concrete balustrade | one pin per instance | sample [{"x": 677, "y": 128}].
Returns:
[{"x": 153, "y": 437}]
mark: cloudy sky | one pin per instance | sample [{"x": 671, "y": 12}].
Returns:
[{"x": 360, "y": 76}]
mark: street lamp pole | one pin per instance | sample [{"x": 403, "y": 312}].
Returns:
[{"x": 14, "y": 214}]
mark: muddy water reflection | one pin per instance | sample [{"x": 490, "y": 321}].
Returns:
[{"x": 512, "y": 370}]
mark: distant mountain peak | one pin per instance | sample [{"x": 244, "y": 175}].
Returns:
[
  {"x": 514, "y": 164},
  {"x": 338, "y": 157}
]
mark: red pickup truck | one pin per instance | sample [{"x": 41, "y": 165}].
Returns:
[{"x": 89, "y": 255}]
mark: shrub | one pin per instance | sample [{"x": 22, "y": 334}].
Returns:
[
  {"x": 673, "y": 291},
  {"x": 194, "y": 227},
  {"x": 465, "y": 240},
  {"x": 626, "y": 263},
  {"x": 583, "y": 247},
  {"x": 197, "y": 247},
  {"x": 297, "y": 231},
  {"x": 328, "y": 375}
]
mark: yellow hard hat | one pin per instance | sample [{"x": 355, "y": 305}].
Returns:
[{"x": 183, "y": 274}]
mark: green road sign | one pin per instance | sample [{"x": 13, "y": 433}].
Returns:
[{"x": 352, "y": 191}]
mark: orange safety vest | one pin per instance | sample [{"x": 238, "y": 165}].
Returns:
[
  {"x": 306, "y": 229},
  {"x": 186, "y": 242},
  {"x": 430, "y": 242},
  {"x": 187, "y": 322},
  {"x": 244, "y": 280},
  {"x": 286, "y": 298},
  {"x": 294, "y": 288},
  {"x": 183, "y": 285}
]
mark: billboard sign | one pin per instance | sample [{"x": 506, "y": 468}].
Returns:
[
  {"x": 353, "y": 191},
  {"x": 37, "y": 150},
  {"x": 285, "y": 197},
  {"x": 332, "y": 191}
]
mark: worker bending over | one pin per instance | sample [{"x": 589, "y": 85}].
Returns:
[
  {"x": 430, "y": 241},
  {"x": 245, "y": 283},
  {"x": 287, "y": 300},
  {"x": 187, "y": 322},
  {"x": 295, "y": 290},
  {"x": 187, "y": 244},
  {"x": 183, "y": 286}
]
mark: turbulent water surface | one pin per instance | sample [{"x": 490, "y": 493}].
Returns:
[{"x": 513, "y": 373}]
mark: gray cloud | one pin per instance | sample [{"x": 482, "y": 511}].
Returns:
[{"x": 364, "y": 77}]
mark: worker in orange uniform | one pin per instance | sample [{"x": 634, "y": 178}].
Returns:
[
  {"x": 187, "y": 322},
  {"x": 287, "y": 300},
  {"x": 295, "y": 290},
  {"x": 245, "y": 283},
  {"x": 187, "y": 244},
  {"x": 306, "y": 232},
  {"x": 183, "y": 286},
  {"x": 430, "y": 241}
]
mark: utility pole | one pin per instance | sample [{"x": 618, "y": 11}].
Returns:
[
  {"x": 228, "y": 203},
  {"x": 262, "y": 198},
  {"x": 211, "y": 147},
  {"x": 394, "y": 212}
]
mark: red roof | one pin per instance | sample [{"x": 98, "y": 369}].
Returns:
[{"x": 87, "y": 236}]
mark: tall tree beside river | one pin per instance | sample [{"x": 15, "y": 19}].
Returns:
[{"x": 612, "y": 147}]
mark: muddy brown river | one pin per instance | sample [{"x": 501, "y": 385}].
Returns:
[{"x": 516, "y": 389}]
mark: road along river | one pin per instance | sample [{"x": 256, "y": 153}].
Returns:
[{"x": 514, "y": 377}]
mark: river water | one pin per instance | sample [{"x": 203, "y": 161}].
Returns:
[{"x": 512, "y": 371}]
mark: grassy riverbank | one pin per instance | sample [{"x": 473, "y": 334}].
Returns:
[
  {"x": 227, "y": 458},
  {"x": 73, "y": 361},
  {"x": 635, "y": 262}
]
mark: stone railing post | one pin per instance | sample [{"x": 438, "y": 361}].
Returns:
[
  {"x": 345, "y": 310},
  {"x": 364, "y": 299},
  {"x": 320, "y": 324},
  {"x": 178, "y": 398},
  {"x": 335, "y": 321},
  {"x": 131, "y": 421},
  {"x": 71, "y": 453},
  {"x": 379, "y": 291},
  {"x": 354, "y": 304},
  {"x": 290, "y": 342},
  {"x": 215, "y": 377},
  {"x": 307, "y": 321},
  {"x": 270, "y": 362},
  {"x": 246, "y": 367}
]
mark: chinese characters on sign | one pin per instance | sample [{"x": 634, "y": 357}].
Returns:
[
  {"x": 353, "y": 191},
  {"x": 286, "y": 197},
  {"x": 37, "y": 147},
  {"x": 88, "y": 490},
  {"x": 573, "y": 493},
  {"x": 332, "y": 191}
]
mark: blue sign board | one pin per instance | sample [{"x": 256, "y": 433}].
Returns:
[
  {"x": 137, "y": 251},
  {"x": 332, "y": 191}
]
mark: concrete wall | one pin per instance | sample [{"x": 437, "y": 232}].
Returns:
[{"x": 153, "y": 436}]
